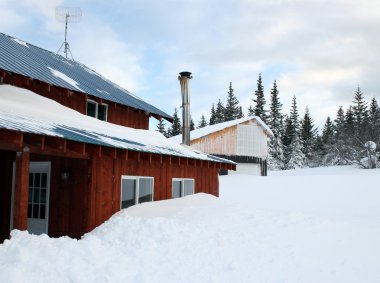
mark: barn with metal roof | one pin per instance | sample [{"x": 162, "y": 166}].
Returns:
[{"x": 76, "y": 148}]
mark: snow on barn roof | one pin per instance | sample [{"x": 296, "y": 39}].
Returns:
[
  {"x": 198, "y": 133},
  {"x": 26, "y": 59},
  {"x": 25, "y": 111}
]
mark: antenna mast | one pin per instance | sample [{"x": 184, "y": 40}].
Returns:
[{"x": 67, "y": 15}]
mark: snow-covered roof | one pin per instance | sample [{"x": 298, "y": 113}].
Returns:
[
  {"x": 26, "y": 59},
  {"x": 25, "y": 111},
  {"x": 198, "y": 133}
]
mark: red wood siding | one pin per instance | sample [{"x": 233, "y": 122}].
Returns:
[
  {"x": 103, "y": 196},
  {"x": 117, "y": 113},
  {"x": 67, "y": 198},
  {"x": 20, "y": 203},
  {"x": 6, "y": 164},
  {"x": 92, "y": 193}
]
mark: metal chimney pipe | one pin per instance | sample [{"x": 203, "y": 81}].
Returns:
[{"x": 184, "y": 79}]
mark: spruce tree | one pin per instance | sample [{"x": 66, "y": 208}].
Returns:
[
  {"x": 328, "y": 143},
  {"x": 219, "y": 112},
  {"x": 240, "y": 113},
  {"x": 275, "y": 115},
  {"x": 374, "y": 121},
  {"x": 339, "y": 124},
  {"x": 192, "y": 125},
  {"x": 289, "y": 131},
  {"x": 232, "y": 108},
  {"x": 360, "y": 112},
  {"x": 202, "y": 123},
  {"x": 286, "y": 140},
  {"x": 161, "y": 127},
  {"x": 349, "y": 125},
  {"x": 307, "y": 135},
  {"x": 212, "y": 115},
  {"x": 296, "y": 157},
  {"x": 292, "y": 147},
  {"x": 320, "y": 152},
  {"x": 345, "y": 139},
  {"x": 251, "y": 111},
  {"x": 275, "y": 121},
  {"x": 328, "y": 132},
  {"x": 276, "y": 153},
  {"x": 294, "y": 115},
  {"x": 176, "y": 127},
  {"x": 259, "y": 108}
]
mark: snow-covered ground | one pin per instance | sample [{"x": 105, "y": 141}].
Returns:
[{"x": 308, "y": 225}]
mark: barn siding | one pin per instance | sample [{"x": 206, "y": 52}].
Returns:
[
  {"x": 221, "y": 142},
  {"x": 6, "y": 160},
  {"x": 91, "y": 195},
  {"x": 251, "y": 140},
  {"x": 103, "y": 197},
  {"x": 66, "y": 214},
  {"x": 67, "y": 198}
]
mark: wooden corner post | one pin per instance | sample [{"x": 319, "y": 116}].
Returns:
[{"x": 20, "y": 208}]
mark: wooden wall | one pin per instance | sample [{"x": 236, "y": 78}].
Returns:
[
  {"x": 105, "y": 187},
  {"x": 6, "y": 164},
  {"x": 91, "y": 195},
  {"x": 252, "y": 140},
  {"x": 117, "y": 114},
  {"x": 67, "y": 197},
  {"x": 221, "y": 142}
]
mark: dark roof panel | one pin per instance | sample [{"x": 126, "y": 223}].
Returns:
[{"x": 31, "y": 61}]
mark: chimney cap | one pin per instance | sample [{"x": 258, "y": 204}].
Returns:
[{"x": 185, "y": 74}]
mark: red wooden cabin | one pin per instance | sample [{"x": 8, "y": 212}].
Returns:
[{"x": 64, "y": 172}]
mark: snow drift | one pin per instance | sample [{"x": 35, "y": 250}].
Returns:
[{"x": 315, "y": 225}]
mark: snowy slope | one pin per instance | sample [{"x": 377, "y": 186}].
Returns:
[{"x": 315, "y": 225}]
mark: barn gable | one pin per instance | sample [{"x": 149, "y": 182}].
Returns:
[{"x": 244, "y": 141}]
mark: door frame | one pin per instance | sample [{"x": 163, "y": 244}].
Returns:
[{"x": 32, "y": 167}]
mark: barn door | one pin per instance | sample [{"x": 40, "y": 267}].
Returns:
[{"x": 38, "y": 197}]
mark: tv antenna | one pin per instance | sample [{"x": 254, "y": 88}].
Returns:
[{"x": 67, "y": 15}]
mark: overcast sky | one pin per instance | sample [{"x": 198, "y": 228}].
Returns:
[{"x": 319, "y": 51}]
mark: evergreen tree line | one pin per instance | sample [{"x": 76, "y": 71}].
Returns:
[{"x": 353, "y": 137}]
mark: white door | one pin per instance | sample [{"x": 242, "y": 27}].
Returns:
[{"x": 38, "y": 197}]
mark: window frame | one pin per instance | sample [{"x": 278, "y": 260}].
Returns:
[
  {"x": 106, "y": 111},
  {"x": 97, "y": 109},
  {"x": 182, "y": 188},
  {"x": 137, "y": 188}
]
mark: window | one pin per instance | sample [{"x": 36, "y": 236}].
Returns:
[
  {"x": 136, "y": 190},
  {"x": 182, "y": 187},
  {"x": 102, "y": 112},
  {"x": 97, "y": 110},
  {"x": 37, "y": 195},
  {"x": 91, "y": 108}
]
